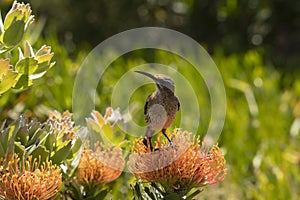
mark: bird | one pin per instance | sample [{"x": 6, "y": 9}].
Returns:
[{"x": 161, "y": 107}]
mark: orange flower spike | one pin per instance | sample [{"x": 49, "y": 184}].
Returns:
[
  {"x": 100, "y": 165},
  {"x": 180, "y": 168},
  {"x": 31, "y": 180}
]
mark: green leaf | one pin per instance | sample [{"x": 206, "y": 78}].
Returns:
[
  {"x": 45, "y": 58},
  {"x": 23, "y": 82},
  {"x": 8, "y": 81},
  {"x": 34, "y": 127},
  {"x": 74, "y": 191},
  {"x": 4, "y": 139},
  {"x": 51, "y": 139},
  {"x": 27, "y": 65},
  {"x": 28, "y": 50},
  {"x": 108, "y": 132},
  {"x": 75, "y": 148},
  {"x": 21, "y": 55},
  {"x": 11, "y": 137},
  {"x": 14, "y": 128},
  {"x": 191, "y": 196},
  {"x": 40, "y": 151},
  {"x": 62, "y": 153},
  {"x": 19, "y": 148},
  {"x": 18, "y": 11},
  {"x": 118, "y": 138},
  {"x": 22, "y": 135},
  {"x": 172, "y": 196},
  {"x": 12, "y": 15},
  {"x": 42, "y": 67},
  {"x": 2, "y": 151},
  {"x": 14, "y": 34},
  {"x": 10, "y": 18},
  {"x": 34, "y": 136},
  {"x": 101, "y": 195}
]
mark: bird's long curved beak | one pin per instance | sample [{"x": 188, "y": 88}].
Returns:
[{"x": 146, "y": 74}]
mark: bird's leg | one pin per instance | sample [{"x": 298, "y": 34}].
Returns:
[
  {"x": 146, "y": 141},
  {"x": 164, "y": 132}
]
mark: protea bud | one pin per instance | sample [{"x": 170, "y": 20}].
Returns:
[{"x": 15, "y": 24}]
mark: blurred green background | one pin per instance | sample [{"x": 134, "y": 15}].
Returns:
[{"x": 254, "y": 43}]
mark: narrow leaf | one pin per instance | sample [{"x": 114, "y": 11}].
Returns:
[
  {"x": 40, "y": 151},
  {"x": 62, "y": 153},
  {"x": 191, "y": 196}
]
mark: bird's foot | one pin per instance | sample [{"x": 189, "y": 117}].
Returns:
[
  {"x": 172, "y": 145},
  {"x": 147, "y": 143}
]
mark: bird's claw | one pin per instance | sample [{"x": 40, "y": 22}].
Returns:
[{"x": 172, "y": 145}]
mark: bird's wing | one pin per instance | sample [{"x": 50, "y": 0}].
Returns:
[{"x": 146, "y": 107}]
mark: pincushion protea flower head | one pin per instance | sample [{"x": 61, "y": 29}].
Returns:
[
  {"x": 29, "y": 180},
  {"x": 62, "y": 123},
  {"x": 101, "y": 165},
  {"x": 179, "y": 168}
]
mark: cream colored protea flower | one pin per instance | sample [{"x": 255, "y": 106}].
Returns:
[
  {"x": 62, "y": 123},
  {"x": 101, "y": 165},
  {"x": 29, "y": 179},
  {"x": 180, "y": 168}
]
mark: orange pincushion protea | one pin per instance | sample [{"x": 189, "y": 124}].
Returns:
[
  {"x": 178, "y": 168},
  {"x": 31, "y": 180},
  {"x": 100, "y": 165}
]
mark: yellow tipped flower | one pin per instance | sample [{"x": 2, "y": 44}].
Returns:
[
  {"x": 179, "y": 168},
  {"x": 100, "y": 165},
  {"x": 19, "y": 11},
  {"x": 31, "y": 180}
]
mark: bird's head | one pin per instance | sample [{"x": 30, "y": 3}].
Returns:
[{"x": 161, "y": 81}]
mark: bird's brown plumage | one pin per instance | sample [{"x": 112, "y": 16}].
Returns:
[
  {"x": 161, "y": 106},
  {"x": 169, "y": 103}
]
